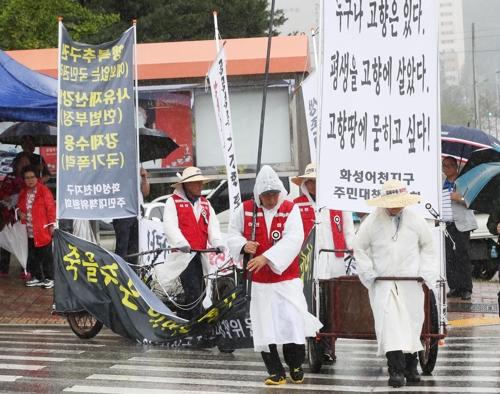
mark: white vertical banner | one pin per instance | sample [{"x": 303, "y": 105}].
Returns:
[
  {"x": 379, "y": 102},
  {"x": 310, "y": 95},
  {"x": 220, "y": 97}
]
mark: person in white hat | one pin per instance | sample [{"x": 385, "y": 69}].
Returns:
[
  {"x": 278, "y": 308},
  {"x": 335, "y": 229},
  {"x": 190, "y": 222},
  {"x": 396, "y": 242}
]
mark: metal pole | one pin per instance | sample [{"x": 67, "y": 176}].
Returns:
[
  {"x": 216, "y": 31},
  {"x": 498, "y": 104},
  {"x": 248, "y": 293},
  {"x": 477, "y": 119}
]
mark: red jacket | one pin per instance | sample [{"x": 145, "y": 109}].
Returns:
[
  {"x": 266, "y": 274},
  {"x": 307, "y": 213},
  {"x": 43, "y": 210}
]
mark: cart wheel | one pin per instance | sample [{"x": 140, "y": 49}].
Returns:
[
  {"x": 222, "y": 287},
  {"x": 315, "y": 354},
  {"x": 428, "y": 358},
  {"x": 84, "y": 325}
]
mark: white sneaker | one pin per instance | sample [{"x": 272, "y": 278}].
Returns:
[
  {"x": 34, "y": 282},
  {"x": 47, "y": 284}
]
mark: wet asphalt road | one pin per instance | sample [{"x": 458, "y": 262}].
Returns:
[{"x": 42, "y": 359}]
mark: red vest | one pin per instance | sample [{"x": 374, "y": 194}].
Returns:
[
  {"x": 196, "y": 233},
  {"x": 307, "y": 213},
  {"x": 308, "y": 218},
  {"x": 266, "y": 274}
]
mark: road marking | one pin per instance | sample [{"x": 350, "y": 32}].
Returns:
[
  {"x": 65, "y": 344},
  {"x": 28, "y": 358},
  {"x": 22, "y": 366},
  {"x": 124, "y": 390},
  {"x": 24, "y": 350},
  {"x": 9, "y": 378}
]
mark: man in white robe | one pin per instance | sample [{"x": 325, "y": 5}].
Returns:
[
  {"x": 278, "y": 307},
  {"x": 396, "y": 242}
]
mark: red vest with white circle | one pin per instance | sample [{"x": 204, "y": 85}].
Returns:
[
  {"x": 195, "y": 232},
  {"x": 266, "y": 274}
]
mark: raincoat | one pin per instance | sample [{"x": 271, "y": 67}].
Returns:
[
  {"x": 329, "y": 265},
  {"x": 278, "y": 310},
  {"x": 381, "y": 249},
  {"x": 175, "y": 263}
]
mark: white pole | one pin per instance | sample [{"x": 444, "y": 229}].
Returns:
[
  {"x": 313, "y": 36},
  {"x": 60, "y": 200},
  {"x": 216, "y": 31}
]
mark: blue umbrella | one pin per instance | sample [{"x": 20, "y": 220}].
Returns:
[
  {"x": 460, "y": 141},
  {"x": 481, "y": 186}
]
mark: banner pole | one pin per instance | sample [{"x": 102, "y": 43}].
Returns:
[
  {"x": 248, "y": 294},
  {"x": 313, "y": 36},
  {"x": 138, "y": 164},
  {"x": 216, "y": 31},
  {"x": 58, "y": 164}
]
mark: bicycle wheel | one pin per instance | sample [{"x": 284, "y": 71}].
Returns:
[
  {"x": 428, "y": 358},
  {"x": 84, "y": 325},
  {"x": 315, "y": 354}
]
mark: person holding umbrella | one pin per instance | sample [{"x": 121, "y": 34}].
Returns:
[
  {"x": 37, "y": 161},
  {"x": 278, "y": 307},
  {"x": 459, "y": 223}
]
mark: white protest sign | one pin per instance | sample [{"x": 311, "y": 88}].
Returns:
[
  {"x": 310, "y": 95},
  {"x": 220, "y": 97},
  {"x": 379, "y": 102}
]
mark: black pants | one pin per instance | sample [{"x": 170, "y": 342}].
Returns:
[
  {"x": 191, "y": 279},
  {"x": 38, "y": 259},
  {"x": 398, "y": 360},
  {"x": 294, "y": 357},
  {"x": 458, "y": 264},
  {"x": 127, "y": 237},
  {"x": 4, "y": 260}
]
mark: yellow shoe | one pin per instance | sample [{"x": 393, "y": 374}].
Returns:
[
  {"x": 275, "y": 379},
  {"x": 297, "y": 375}
]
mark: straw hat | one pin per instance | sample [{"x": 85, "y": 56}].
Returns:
[
  {"x": 191, "y": 174},
  {"x": 393, "y": 195},
  {"x": 309, "y": 173}
]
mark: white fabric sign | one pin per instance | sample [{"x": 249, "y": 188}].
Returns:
[
  {"x": 379, "y": 102},
  {"x": 220, "y": 97},
  {"x": 310, "y": 95}
]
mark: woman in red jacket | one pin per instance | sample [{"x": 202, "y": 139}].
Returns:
[{"x": 38, "y": 210}]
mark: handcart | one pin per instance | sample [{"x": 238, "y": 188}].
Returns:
[{"x": 345, "y": 311}]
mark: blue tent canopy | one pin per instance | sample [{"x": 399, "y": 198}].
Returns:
[{"x": 26, "y": 95}]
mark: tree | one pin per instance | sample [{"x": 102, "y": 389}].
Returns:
[
  {"x": 32, "y": 24},
  {"x": 181, "y": 20}
]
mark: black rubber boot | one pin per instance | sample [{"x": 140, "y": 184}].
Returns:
[
  {"x": 410, "y": 372},
  {"x": 396, "y": 378}
]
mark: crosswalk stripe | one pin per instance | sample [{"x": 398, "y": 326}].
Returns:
[
  {"x": 65, "y": 344},
  {"x": 22, "y": 367},
  {"x": 25, "y": 350},
  {"x": 29, "y": 358},
  {"x": 9, "y": 378},
  {"x": 124, "y": 390}
]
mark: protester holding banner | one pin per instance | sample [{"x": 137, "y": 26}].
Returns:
[
  {"x": 335, "y": 229},
  {"x": 37, "y": 161},
  {"x": 9, "y": 193},
  {"x": 127, "y": 229},
  {"x": 38, "y": 210},
  {"x": 396, "y": 242},
  {"x": 190, "y": 222},
  {"x": 278, "y": 307},
  {"x": 459, "y": 223}
]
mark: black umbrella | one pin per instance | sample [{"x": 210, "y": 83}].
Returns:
[
  {"x": 154, "y": 144},
  {"x": 44, "y": 134},
  {"x": 481, "y": 156}
]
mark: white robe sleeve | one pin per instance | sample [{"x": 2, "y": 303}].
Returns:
[
  {"x": 284, "y": 252},
  {"x": 235, "y": 239},
  {"x": 427, "y": 269},
  {"x": 361, "y": 244},
  {"x": 214, "y": 234},
  {"x": 171, "y": 225}
]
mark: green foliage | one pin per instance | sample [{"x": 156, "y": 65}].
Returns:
[
  {"x": 32, "y": 24},
  {"x": 455, "y": 113},
  {"x": 181, "y": 20}
]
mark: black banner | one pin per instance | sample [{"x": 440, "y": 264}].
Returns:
[
  {"x": 90, "y": 278},
  {"x": 306, "y": 265}
]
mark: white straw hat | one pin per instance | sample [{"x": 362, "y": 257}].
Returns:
[
  {"x": 191, "y": 174},
  {"x": 393, "y": 195},
  {"x": 309, "y": 173}
]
